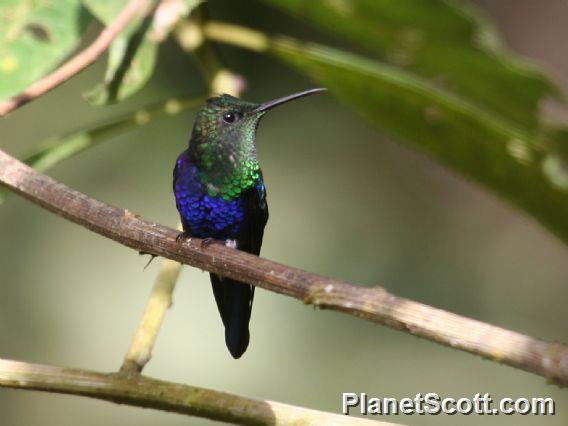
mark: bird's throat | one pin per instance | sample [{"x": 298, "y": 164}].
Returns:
[{"x": 228, "y": 174}]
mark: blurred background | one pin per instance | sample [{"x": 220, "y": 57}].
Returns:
[{"x": 344, "y": 202}]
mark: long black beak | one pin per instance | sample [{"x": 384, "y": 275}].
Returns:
[{"x": 271, "y": 104}]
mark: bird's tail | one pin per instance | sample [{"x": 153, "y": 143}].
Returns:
[{"x": 234, "y": 300}]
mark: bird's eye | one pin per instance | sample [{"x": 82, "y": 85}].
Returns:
[{"x": 230, "y": 117}]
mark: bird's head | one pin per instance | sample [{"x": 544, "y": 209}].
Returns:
[
  {"x": 222, "y": 143},
  {"x": 226, "y": 120}
]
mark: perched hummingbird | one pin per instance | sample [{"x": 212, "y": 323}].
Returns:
[{"x": 220, "y": 195}]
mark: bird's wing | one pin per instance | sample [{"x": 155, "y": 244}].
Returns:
[
  {"x": 177, "y": 169},
  {"x": 257, "y": 209}
]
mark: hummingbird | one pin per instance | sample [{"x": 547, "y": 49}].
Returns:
[{"x": 221, "y": 197}]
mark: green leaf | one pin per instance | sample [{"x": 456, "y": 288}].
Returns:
[
  {"x": 132, "y": 56},
  {"x": 130, "y": 65},
  {"x": 487, "y": 148},
  {"x": 450, "y": 43},
  {"x": 36, "y": 36},
  {"x": 106, "y": 10}
]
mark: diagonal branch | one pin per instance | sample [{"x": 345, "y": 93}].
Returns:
[
  {"x": 79, "y": 62},
  {"x": 375, "y": 304},
  {"x": 141, "y": 391},
  {"x": 160, "y": 300}
]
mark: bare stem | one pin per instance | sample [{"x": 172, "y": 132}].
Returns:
[
  {"x": 190, "y": 35},
  {"x": 544, "y": 358},
  {"x": 237, "y": 35},
  {"x": 141, "y": 391},
  {"x": 160, "y": 300},
  {"x": 79, "y": 62}
]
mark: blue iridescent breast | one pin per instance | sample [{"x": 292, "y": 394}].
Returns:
[{"x": 204, "y": 215}]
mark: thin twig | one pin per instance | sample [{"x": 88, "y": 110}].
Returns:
[
  {"x": 190, "y": 37},
  {"x": 141, "y": 391},
  {"x": 80, "y": 61},
  {"x": 375, "y": 304},
  {"x": 160, "y": 300}
]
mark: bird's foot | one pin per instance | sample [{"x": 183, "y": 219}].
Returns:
[
  {"x": 206, "y": 242},
  {"x": 183, "y": 237}
]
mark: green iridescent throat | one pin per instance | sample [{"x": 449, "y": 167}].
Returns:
[
  {"x": 227, "y": 158},
  {"x": 231, "y": 185}
]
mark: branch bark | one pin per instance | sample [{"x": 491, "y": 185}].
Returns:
[
  {"x": 547, "y": 359},
  {"x": 142, "y": 391},
  {"x": 79, "y": 62}
]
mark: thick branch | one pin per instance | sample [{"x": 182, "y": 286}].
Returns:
[
  {"x": 141, "y": 391},
  {"x": 79, "y": 62},
  {"x": 376, "y": 304}
]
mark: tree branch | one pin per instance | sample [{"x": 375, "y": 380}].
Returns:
[
  {"x": 375, "y": 304},
  {"x": 141, "y": 391},
  {"x": 80, "y": 61}
]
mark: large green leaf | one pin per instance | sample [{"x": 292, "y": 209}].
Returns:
[
  {"x": 132, "y": 56},
  {"x": 448, "y": 42},
  {"x": 482, "y": 146},
  {"x": 34, "y": 37}
]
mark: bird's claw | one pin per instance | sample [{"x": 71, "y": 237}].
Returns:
[
  {"x": 206, "y": 242},
  {"x": 182, "y": 237}
]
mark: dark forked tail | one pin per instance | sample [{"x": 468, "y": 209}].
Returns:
[{"x": 234, "y": 301}]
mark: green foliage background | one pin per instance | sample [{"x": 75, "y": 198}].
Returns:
[{"x": 345, "y": 201}]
